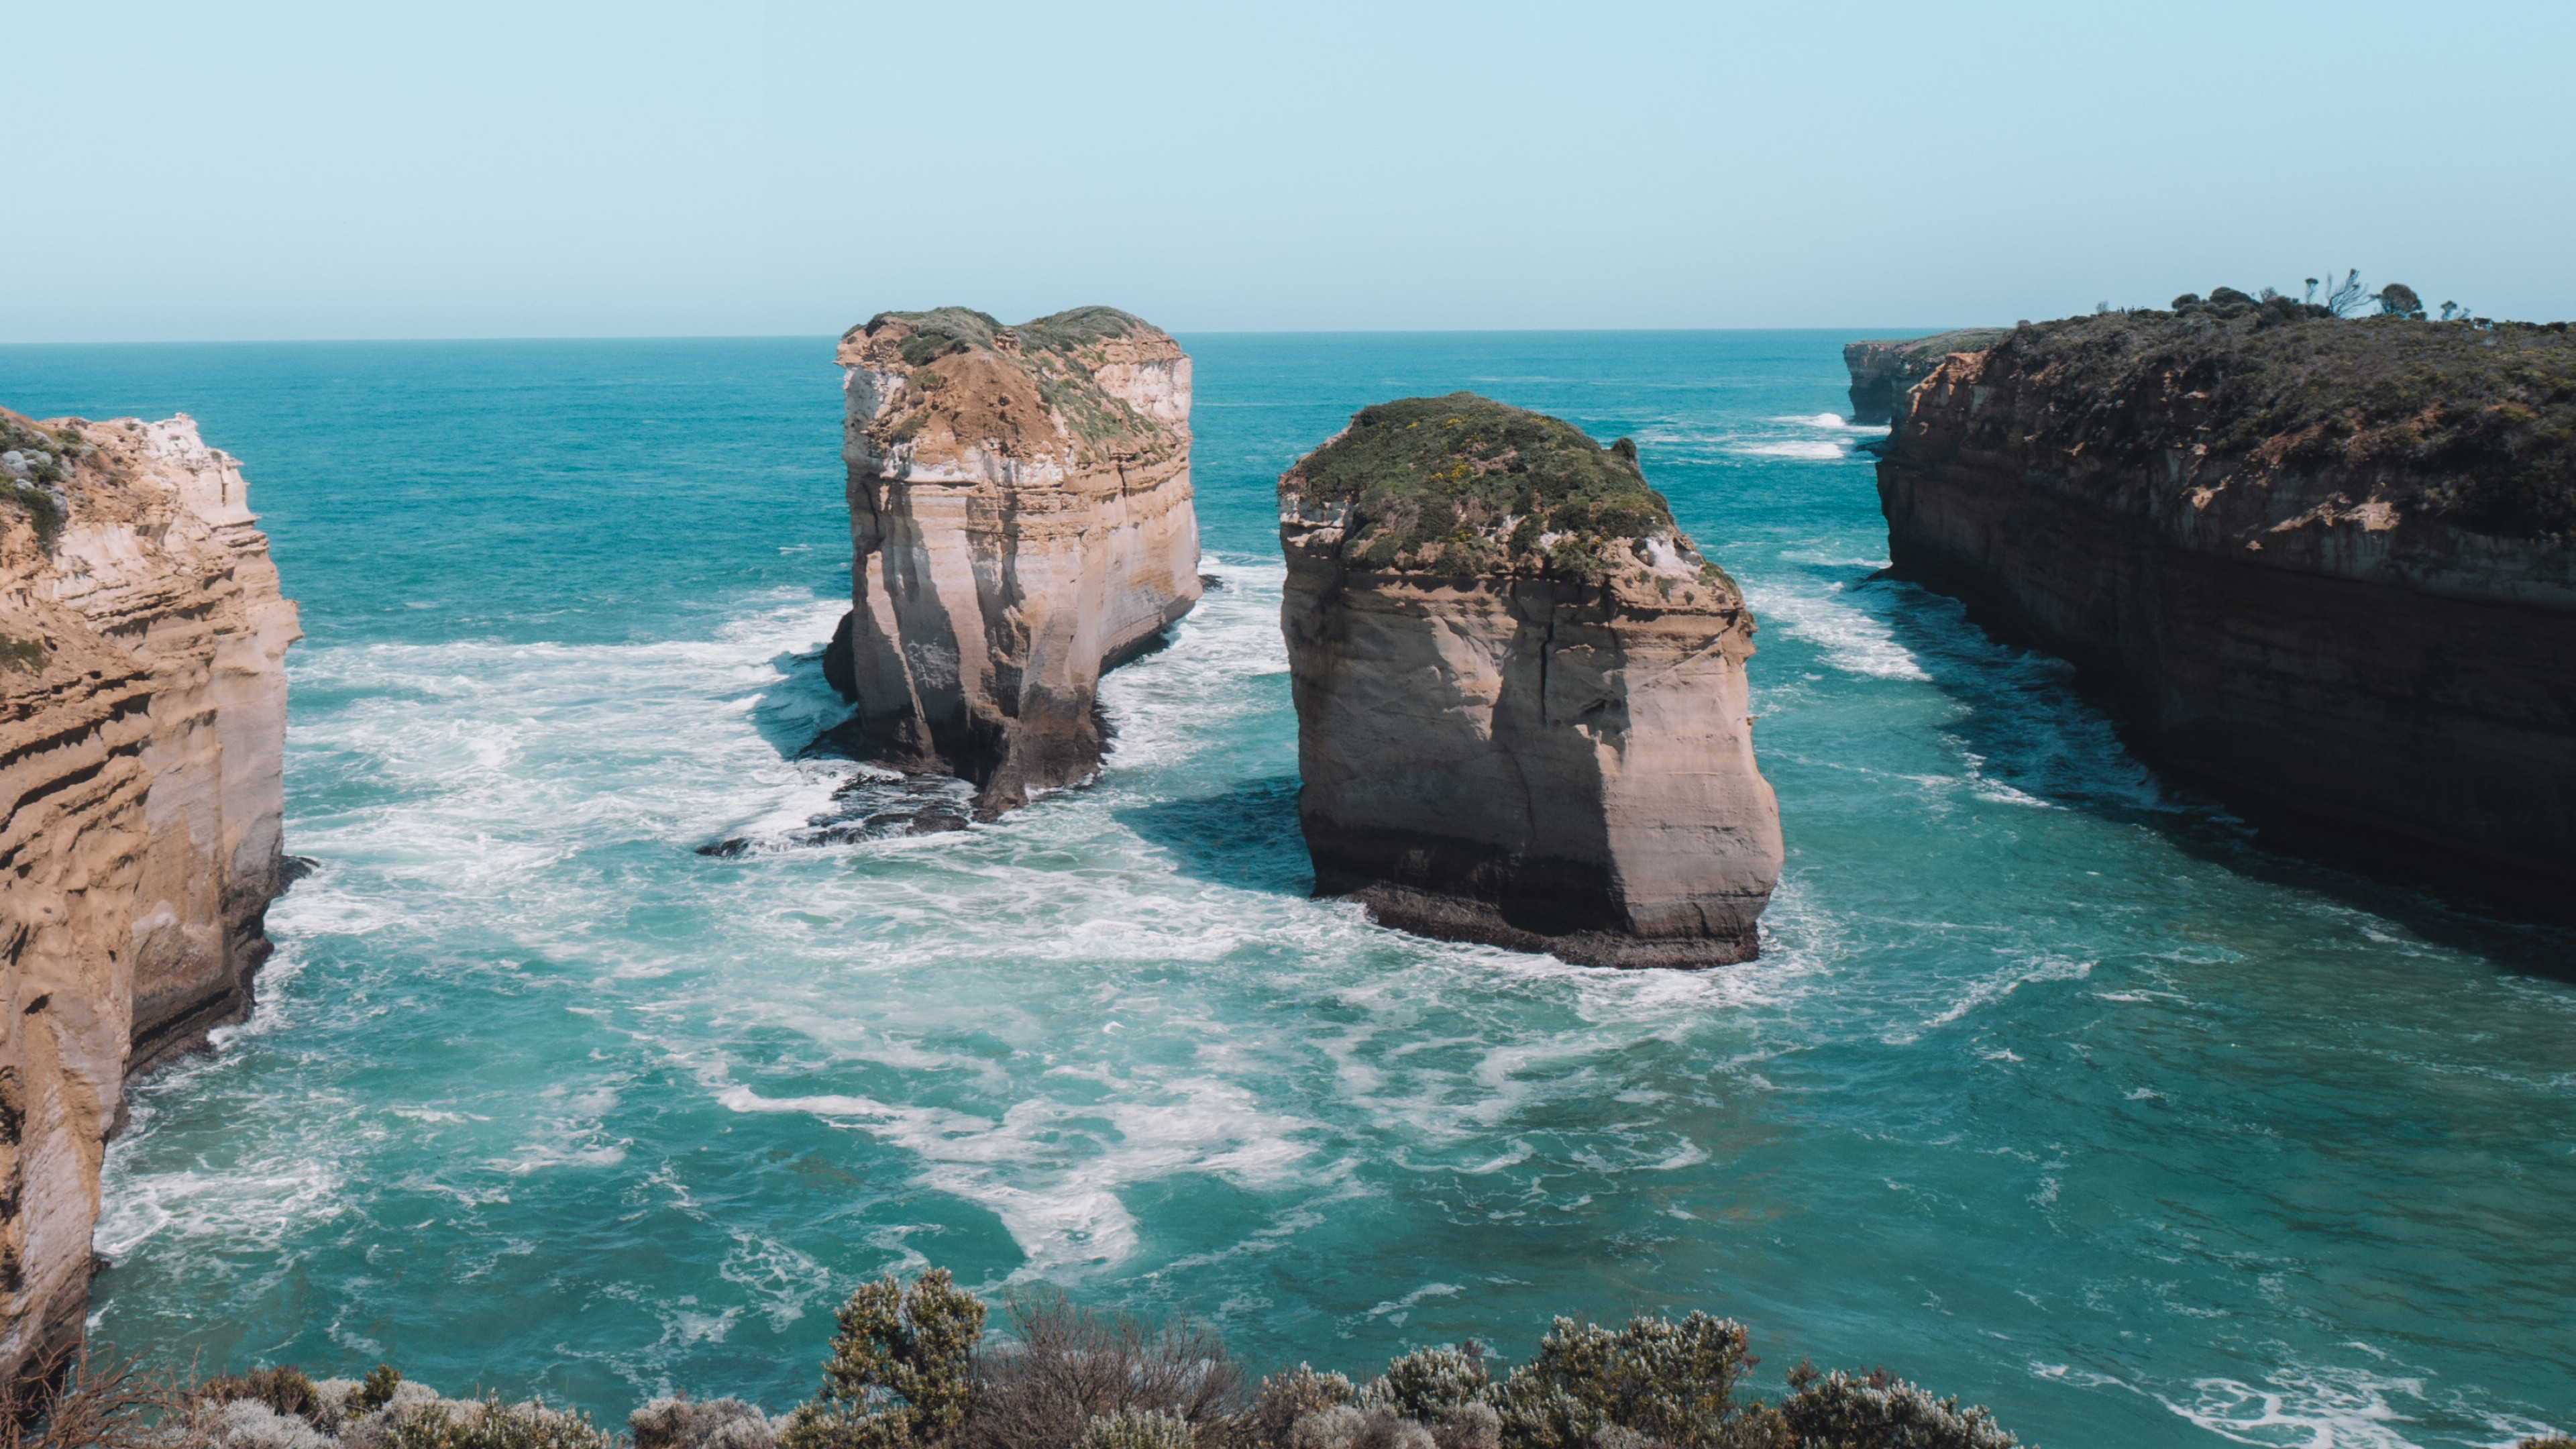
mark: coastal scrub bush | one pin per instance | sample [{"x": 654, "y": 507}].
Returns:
[
  {"x": 1138, "y": 1429},
  {"x": 686, "y": 1423},
  {"x": 1284, "y": 1398},
  {"x": 1670, "y": 1382},
  {"x": 89, "y": 1405},
  {"x": 1063, "y": 1369},
  {"x": 43, "y": 513},
  {"x": 900, "y": 1370},
  {"x": 375, "y": 1390},
  {"x": 1844, "y": 1411},
  {"x": 491, "y": 1424},
  {"x": 285, "y": 1390},
  {"x": 250, "y": 1424},
  {"x": 23, "y": 654},
  {"x": 1430, "y": 1383}
]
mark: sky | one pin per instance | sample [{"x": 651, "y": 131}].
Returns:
[{"x": 280, "y": 171}]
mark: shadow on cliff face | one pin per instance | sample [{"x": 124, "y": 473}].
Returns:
[
  {"x": 2028, "y": 725},
  {"x": 1247, "y": 837}
]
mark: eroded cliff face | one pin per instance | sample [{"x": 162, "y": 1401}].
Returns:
[
  {"x": 1521, "y": 701},
  {"x": 142, "y": 723},
  {"x": 1884, "y": 371},
  {"x": 2319, "y": 567},
  {"x": 1020, "y": 520}
]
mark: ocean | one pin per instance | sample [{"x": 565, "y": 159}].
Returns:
[{"x": 2051, "y": 1088}]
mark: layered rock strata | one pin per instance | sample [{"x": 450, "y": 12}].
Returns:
[
  {"x": 1520, "y": 691},
  {"x": 1020, "y": 520},
  {"x": 1884, "y": 371},
  {"x": 2321, "y": 567},
  {"x": 142, "y": 724}
]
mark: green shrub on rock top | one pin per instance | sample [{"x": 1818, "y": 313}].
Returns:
[
  {"x": 901, "y": 1367},
  {"x": 1461, "y": 483}
]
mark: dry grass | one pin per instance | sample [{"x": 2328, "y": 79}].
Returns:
[{"x": 1064, "y": 1366}]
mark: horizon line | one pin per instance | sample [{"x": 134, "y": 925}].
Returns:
[{"x": 810, "y": 336}]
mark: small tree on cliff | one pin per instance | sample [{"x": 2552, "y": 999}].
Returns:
[{"x": 902, "y": 1367}]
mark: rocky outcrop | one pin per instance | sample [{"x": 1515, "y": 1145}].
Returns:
[
  {"x": 1520, "y": 690},
  {"x": 1020, "y": 520},
  {"x": 2320, "y": 567},
  {"x": 1883, "y": 372},
  {"x": 142, "y": 724}
]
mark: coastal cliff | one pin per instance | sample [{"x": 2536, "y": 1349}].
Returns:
[
  {"x": 1020, "y": 520},
  {"x": 2321, "y": 567},
  {"x": 1884, "y": 371},
  {"x": 1520, "y": 691},
  {"x": 142, "y": 727}
]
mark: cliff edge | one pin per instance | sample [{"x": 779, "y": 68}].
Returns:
[
  {"x": 2322, "y": 567},
  {"x": 142, "y": 729},
  {"x": 1521, "y": 700},
  {"x": 1020, "y": 520},
  {"x": 1884, "y": 371}
]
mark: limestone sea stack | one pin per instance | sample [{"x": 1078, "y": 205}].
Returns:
[
  {"x": 142, "y": 724},
  {"x": 1020, "y": 521},
  {"x": 1520, "y": 690},
  {"x": 2323, "y": 567}
]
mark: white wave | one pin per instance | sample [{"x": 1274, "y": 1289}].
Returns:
[
  {"x": 1987, "y": 990},
  {"x": 1051, "y": 1170},
  {"x": 1803, "y": 449},
  {"x": 2308, "y": 1407},
  {"x": 1852, "y": 640}
]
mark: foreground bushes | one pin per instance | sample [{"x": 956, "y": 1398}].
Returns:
[{"x": 910, "y": 1368}]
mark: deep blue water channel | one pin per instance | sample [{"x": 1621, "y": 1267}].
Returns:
[{"x": 2049, "y": 1090}]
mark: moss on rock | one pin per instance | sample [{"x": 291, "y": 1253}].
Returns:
[{"x": 1464, "y": 484}]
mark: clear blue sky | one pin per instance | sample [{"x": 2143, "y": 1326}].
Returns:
[{"x": 203, "y": 171}]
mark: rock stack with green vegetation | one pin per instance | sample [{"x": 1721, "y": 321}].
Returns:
[
  {"x": 2324, "y": 566},
  {"x": 1521, "y": 702},
  {"x": 1020, "y": 520}
]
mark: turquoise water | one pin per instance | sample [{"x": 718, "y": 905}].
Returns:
[{"x": 2048, "y": 1090}]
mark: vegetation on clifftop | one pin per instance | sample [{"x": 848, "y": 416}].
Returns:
[
  {"x": 2468, "y": 421},
  {"x": 1465, "y": 485},
  {"x": 1061, "y": 353},
  {"x": 34, "y": 465}
]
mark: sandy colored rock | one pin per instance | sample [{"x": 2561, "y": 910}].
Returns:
[
  {"x": 142, "y": 724},
  {"x": 1020, "y": 520},
  {"x": 1521, "y": 700},
  {"x": 1884, "y": 370}
]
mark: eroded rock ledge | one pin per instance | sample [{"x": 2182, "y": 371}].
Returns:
[
  {"x": 1521, "y": 700},
  {"x": 1020, "y": 520},
  {"x": 142, "y": 726},
  {"x": 2321, "y": 567},
  {"x": 1885, "y": 370}
]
